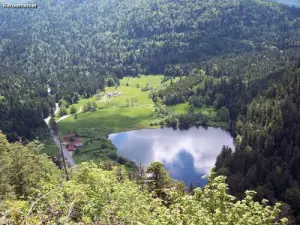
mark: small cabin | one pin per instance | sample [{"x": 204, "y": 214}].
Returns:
[{"x": 72, "y": 142}]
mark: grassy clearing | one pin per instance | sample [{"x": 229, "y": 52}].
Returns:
[
  {"x": 81, "y": 103},
  {"x": 132, "y": 95},
  {"x": 89, "y": 151},
  {"x": 183, "y": 108},
  {"x": 93, "y": 149},
  {"x": 209, "y": 112},
  {"x": 78, "y": 105},
  {"x": 133, "y": 110},
  {"x": 98, "y": 148},
  {"x": 50, "y": 148},
  {"x": 153, "y": 81},
  {"x": 112, "y": 119}
]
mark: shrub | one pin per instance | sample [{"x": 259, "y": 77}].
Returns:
[
  {"x": 73, "y": 110},
  {"x": 110, "y": 82}
]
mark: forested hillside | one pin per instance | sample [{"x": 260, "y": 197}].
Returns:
[
  {"x": 267, "y": 142},
  {"x": 71, "y": 45},
  {"x": 99, "y": 194},
  {"x": 239, "y": 58},
  {"x": 24, "y": 102},
  {"x": 264, "y": 115}
]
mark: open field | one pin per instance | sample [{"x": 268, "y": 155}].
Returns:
[
  {"x": 142, "y": 81},
  {"x": 131, "y": 96},
  {"x": 132, "y": 110},
  {"x": 153, "y": 81},
  {"x": 78, "y": 105},
  {"x": 209, "y": 112},
  {"x": 111, "y": 119},
  {"x": 131, "y": 88}
]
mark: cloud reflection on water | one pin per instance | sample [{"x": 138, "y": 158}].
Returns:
[{"x": 187, "y": 155}]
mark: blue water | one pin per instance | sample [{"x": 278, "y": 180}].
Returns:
[{"x": 187, "y": 155}]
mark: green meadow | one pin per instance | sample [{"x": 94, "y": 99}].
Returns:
[
  {"x": 131, "y": 96},
  {"x": 151, "y": 80},
  {"x": 130, "y": 88},
  {"x": 184, "y": 107},
  {"x": 50, "y": 147},
  {"x": 111, "y": 119},
  {"x": 132, "y": 110}
]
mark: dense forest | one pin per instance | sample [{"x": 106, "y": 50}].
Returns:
[
  {"x": 264, "y": 117},
  {"x": 267, "y": 143},
  {"x": 238, "y": 56},
  {"x": 72, "y": 45}
]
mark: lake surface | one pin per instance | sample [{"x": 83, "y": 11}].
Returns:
[{"x": 187, "y": 154}]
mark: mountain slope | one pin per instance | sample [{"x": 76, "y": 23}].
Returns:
[{"x": 71, "y": 45}]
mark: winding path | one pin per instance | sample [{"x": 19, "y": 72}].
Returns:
[
  {"x": 67, "y": 154},
  {"x": 66, "y": 116}
]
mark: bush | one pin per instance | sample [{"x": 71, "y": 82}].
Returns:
[
  {"x": 223, "y": 114},
  {"x": 110, "y": 82},
  {"x": 196, "y": 101},
  {"x": 113, "y": 155},
  {"x": 147, "y": 88},
  {"x": 121, "y": 160},
  {"x": 73, "y": 110},
  {"x": 63, "y": 111}
]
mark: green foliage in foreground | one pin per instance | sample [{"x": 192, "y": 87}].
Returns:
[{"x": 95, "y": 195}]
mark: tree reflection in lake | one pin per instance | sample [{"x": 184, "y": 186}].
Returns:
[{"x": 187, "y": 154}]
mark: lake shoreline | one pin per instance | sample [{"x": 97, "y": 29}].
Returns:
[{"x": 192, "y": 150}]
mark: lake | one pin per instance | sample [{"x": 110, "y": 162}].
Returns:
[{"x": 186, "y": 154}]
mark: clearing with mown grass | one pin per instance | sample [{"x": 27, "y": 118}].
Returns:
[
  {"x": 132, "y": 110},
  {"x": 112, "y": 119}
]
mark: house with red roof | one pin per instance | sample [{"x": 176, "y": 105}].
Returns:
[
  {"x": 71, "y": 147},
  {"x": 72, "y": 142}
]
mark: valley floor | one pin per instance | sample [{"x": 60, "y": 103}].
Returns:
[{"x": 133, "y": 109}]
